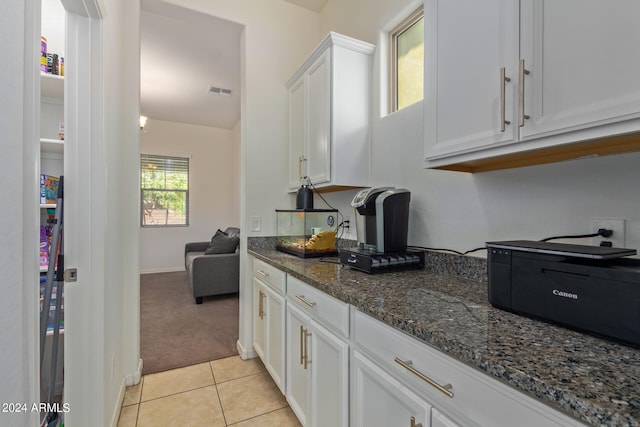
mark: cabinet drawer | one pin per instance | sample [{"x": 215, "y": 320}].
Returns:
[
  {"x": 326, "y": 309},
  {"x": 276, "y": 279},
  {"x": 477, "y": 399}
]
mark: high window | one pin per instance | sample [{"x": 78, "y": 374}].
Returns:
[
  {"x": 164, "y": 191},
  {"x": 406, "y": 43}
]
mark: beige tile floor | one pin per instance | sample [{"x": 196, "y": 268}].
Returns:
[{"x": 225, "y": 392}]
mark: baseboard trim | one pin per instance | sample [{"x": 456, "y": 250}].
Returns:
[
  {"x": 244, "y": 353},
  {"x": 134, "y": 378},
  {"x": 115, "y": 416},
  {"x": 161, "y": 270}
]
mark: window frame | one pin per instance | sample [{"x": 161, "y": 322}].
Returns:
[
  {"x": 155, "y": 158},
  {"x": 393, "y": 35}
]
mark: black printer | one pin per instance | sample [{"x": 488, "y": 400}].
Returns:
[{"x": 589, "y": 288}]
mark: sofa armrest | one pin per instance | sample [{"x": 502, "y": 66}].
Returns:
[
  {"x": 215, "y": 274},
  {"x": 196, "y": 247}
]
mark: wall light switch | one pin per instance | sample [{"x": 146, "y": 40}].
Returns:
[{"x": 255, "y": 223}]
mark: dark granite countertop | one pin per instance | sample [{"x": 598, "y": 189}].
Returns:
[{"x": 591, "y": 379}]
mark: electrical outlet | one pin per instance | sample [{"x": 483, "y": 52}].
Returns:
[
  {"x": 255, "y": 223},
  {"x": 616, "y": 225},
  {"x": 347, "y": 222}
]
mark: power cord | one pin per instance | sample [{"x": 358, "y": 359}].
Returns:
[
  {"x": 340, "y": 228},
  {"x": 604, "y": 232}
]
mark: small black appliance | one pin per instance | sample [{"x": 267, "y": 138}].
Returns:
[
  {"x": 304, "y": 197},
  {"x": 589, "y": 288},
  {"x": 382, "y": 225}
]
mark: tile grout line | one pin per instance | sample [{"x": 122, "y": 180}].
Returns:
[
  {"x": 215, "y": 383},
  {"x": 139, "y": 401}
]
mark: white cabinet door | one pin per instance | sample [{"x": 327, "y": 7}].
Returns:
[
  {"x": 317, "y": 372},
  {"x": 438, "y": 419},
  {"x": 259, "y": 319},
  {"x": 319, "y": 120},
  {"x": 329, "y": 110},
  {"x": 329, "y": 378},
  {"x": 269, "y": 331},
  {"x": 464, "y": 53},
  {"x": 275, "y": 337},
  {"x": 378, "y": 400},
  {"x": 296, "y": 133},
  {"x": 570, "y": 75},
  {"x": 298, "y": 390},
  {"x": 583, "y": 58}
]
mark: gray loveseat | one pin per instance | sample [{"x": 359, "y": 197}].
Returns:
[{"x": 212, "y": 273}]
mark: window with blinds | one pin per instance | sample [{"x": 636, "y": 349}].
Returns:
[{"x": 164, "y": 191}]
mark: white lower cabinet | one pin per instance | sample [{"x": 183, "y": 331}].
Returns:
[
  {"x": 438, "y": 419},
  {"x": 317, "y": 365},
  {"x": 339, "y": 367},
  {"x": 459, "y": 395},
  {"x": 269, "y": 309},
  {"x": 377, "y": 399}
]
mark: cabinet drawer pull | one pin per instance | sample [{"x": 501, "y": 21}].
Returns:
[
  {"x": 412, "y": 422},
  {"x": 306, "y": 349},
  {"x": 261, "y": 305},
  {"x": 446, "y": 389},
  {"x": 263, "y": 273},
  {"x": 310, "y": 304},
  {"x": 523, "y": 72},
  {"x": 503, "y": 81},
  {"x": 304, "y": 355},
  {"x": 302, "y": 338}
]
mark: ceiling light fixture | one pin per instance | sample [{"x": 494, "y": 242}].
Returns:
[
  {"x": 220, "y": 91},
  {"x": 143, "y": 122}
]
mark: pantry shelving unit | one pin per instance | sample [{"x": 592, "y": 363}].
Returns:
[{"x": 51, "y": 161}]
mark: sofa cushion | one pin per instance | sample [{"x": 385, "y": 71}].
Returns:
[{"x": 222, "y": 243}]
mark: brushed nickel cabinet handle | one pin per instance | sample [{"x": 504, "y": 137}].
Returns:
[
  {"x": 446, "y": 389},
  {"x": 301, "y": 345},
  {"x": 412, "y": 422},
  {"x": 261, "y": 304},
  {"x": 263, "y": 273},
  {"x": 503, "y": 81},
  {"x": 523, "y": 72},
  {"x": 310, "y": 304},
  {"x": 306, "y": 348}
]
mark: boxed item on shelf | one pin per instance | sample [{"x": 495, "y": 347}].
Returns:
[{"x": 49, "y": 188}]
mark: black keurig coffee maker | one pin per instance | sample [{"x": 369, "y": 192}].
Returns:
[{"x": 382, "y": 226}]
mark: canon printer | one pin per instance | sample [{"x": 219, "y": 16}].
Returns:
[{"x": 589, "y": 288}]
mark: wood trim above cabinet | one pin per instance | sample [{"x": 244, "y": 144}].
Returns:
[{"x": 619, "y": 144}]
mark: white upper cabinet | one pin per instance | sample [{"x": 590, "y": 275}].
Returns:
[
  {"x": 505, "y": 77},
  {"x": 467, "y": 43},
  {"x": 329, "y": 115},
  {"x": 583, "y": 59}
]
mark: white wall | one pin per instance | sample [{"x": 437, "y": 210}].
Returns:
[
  {"x": 214, "y": 175},
  {"x": 19, "y": 23},
  {"x": 462, "y": 211},
  {"x": 101, "y": 230},
  {"x": 277, "y": 38}
]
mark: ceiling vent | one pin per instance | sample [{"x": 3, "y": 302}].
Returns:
[{"x": 220, "y": 91}]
